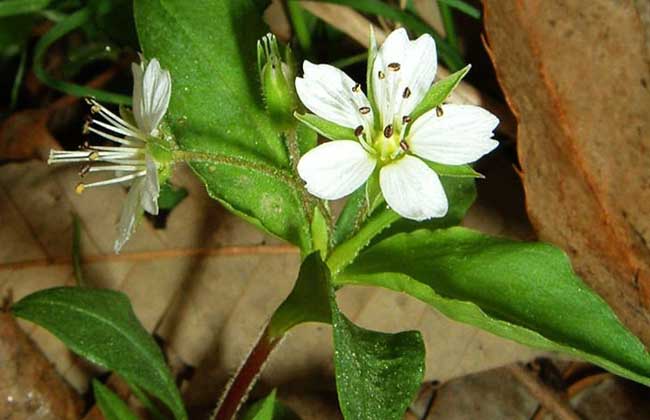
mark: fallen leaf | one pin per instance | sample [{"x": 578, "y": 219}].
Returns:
[
  {"x": 576, "y": 75},
  {"x": 29, "y": 385}
]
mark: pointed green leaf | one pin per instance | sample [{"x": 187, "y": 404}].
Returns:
[
  {"x": 377, "y": 374},
  {"x": 307, "y": 302},
  {"x": 216, "y": 109},
  {"x": 111, "y": 406},
  {"x": 526, "y": 292},
  {"x": 326, "y": 128},
  {"x": 439, "y": 92},
  {"x": 269, "y": 408},
  {"x": 99, "y": 325}
]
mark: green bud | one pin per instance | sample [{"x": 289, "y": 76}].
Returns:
[{"x": 278, "y": 78}]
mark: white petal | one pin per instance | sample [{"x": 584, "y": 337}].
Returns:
[
  {"x": 151, "y": 188},
  {"x": 412, "y": 189},
  {"x": 335, "y": 169},
  {"x": 156, "y": 91},
  {"x": 461, "y": 135},
  {"x": 327, "y": 92},
  {"x": 131, "y": 211},
  {"x": 137, "y": 71},
  {"x": 417, "y": 68}
]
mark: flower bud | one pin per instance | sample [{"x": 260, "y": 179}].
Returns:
[{"x": 277, "y": 79}]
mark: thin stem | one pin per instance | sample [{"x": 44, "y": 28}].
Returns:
[
  {"x": 450, "y": 27},
  {"x": 548, "y": 397},
  {"x": 240, "y": 385},
  {"x": 297, "y": 16},
  {"x": 350, "y": 61}
]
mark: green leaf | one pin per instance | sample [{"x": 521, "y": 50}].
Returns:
[
  {"x": 170, "y": 196},
  {"x": 216, "y": 111},
  {"x": 526, "y": 292},
  {"x": 100, "y": 325},
  {"x": 384, "y": 222},
  {"x": 307, "y": 302},
  {"x": 377, "y": 374},
  {"x": 326, "y": 128},
  {"x": 269, "y": 408},
  {"x": 439, "y": 91},
  {"x": 111, "y": 406}
]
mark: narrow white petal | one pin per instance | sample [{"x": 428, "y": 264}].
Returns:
[
  {"x": 328, "y": 92},
  {"x": 151, "y": 189},
  {"x": 138, "y": 104},
  {"x": 416, "y": 64},
  {"x": 131, "y": 211},
  {"x": 412, "y": 189},
  {"x": 419, "y": 69},
  {"x": 156, "y": 91},
  {"x": 461, "y": 135},
  {"x": 335, "y": 169}
]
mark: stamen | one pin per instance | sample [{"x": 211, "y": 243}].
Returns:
[
  {"x": 394, "y": 66},
  {"x": 86, "y": 127},
  {"x": 381, "y": 75},
  {"x": 406, "y": 119},
  {"x": 356, "y": 88},
  {"x": 111, "y": 137},
  {"x": 388, "y": 131},
  {"x": 110, "y": 116},
  {"x": 404, "y": 145},
  {"x": 407, "y": 93},
  {"x": 127, "y": 168},
  {"x": 114, "y": 180},
  {"x": 364, "y": 110},
  {"x": 79, "y": 188},
  {"x": 115, "y": 129},
  {"x": 439, "y": 111},
  {"x": 84, "y": 170},
  {"x": 358, "y": 131}
]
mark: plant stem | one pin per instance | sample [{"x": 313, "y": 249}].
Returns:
[{"x": 240, "y": 385}]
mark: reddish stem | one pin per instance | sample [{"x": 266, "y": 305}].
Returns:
[{"x": 239, "y": 387}]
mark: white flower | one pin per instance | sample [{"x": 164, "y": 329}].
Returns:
[
  {"x": 387, "y": 137},
  {"x": 131, "y": 160}
]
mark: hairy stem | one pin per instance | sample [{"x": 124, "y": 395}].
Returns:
[{"x": 240, "y": 385}]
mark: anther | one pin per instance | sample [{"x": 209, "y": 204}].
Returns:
[
  {"x": 404, "y": 145},
  {"x": 95, "y": 109},
  {"x": 394, "y": 66},
  {"x": 381, "y": 74},
  {"x": 364, "y": 110},
  {"x": 406, "y": 119},
  {"x": 93, "y": 156},
  {"x": 88, "y": 100},
  {"x": 406, "y": 93},
  {"x": 80, "y": 188},
  {"x": 84, "y": 170},
  {"x": 358, "y": 131},
  {"x": 388, "y": 131},
  {"x": 356, "y": 88},
  {"x": 86, "y": 128},
  {"x": 439, "y": 111}
]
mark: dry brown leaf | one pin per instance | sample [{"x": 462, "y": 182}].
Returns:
[
  {"x": 30, "y": 387},
  {"x": 576, "y": 74},
  {"x": 203, "y": 285}
]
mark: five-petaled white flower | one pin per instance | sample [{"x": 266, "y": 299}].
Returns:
[
  {"x": 138, "y": 138},
  {"x": 388, "y": 139}
]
